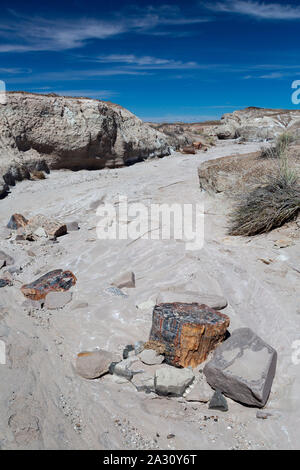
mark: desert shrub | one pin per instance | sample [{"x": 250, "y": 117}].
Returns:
[
  {"x": 267, "y": 207},
  {"x": 281, "y": 145},
  {"x": 272, "y": 204}
]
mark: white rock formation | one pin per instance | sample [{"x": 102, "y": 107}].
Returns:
[
  {"x": 258, "y": 124},
  {"x": 75, "y": 133}
]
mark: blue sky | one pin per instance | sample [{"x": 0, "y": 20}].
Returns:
[{"x": 165, "y": 61}]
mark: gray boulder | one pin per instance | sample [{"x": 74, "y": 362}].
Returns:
[
  {"x": 243, "y": 368},
  {"x": 170, "y": 380}
]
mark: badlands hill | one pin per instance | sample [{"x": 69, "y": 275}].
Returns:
[
  {"x": 37, "y": 131},
  {"x": 43, "y": 132}
]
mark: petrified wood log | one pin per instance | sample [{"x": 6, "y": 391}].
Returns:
[
  {"x": 57, "y": 280},
  {"x": 187, "y": 331}
]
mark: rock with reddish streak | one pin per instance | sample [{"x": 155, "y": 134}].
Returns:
[{"x": 54, "y": 281}]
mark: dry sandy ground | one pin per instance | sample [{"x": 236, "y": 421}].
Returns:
[{"x": 45, "y": 405}]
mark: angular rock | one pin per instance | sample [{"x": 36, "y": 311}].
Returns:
[
  {"x": 127, "y": 350},
  {"x": 139, "y": 347},
  {"x": 243, "y": 368},
  {"x": 187, "y": 331},
  {"x": 218, "y": 402},
  {"x": 52, "y": 228},
  {"x": 200, "y": 391},
  {"x": 150, "y": 357},
  {"x": 125, "y": 280},
  {"x": 217, "y": 302},
  {"x": 262, "y": 414},
  {"x": 9, "y": 261},
  {"x": 123, "y": 368},
  {"x": 17, "y": 221},
  {"x": 144, "y": 382},
  {"x": 72, "y": 226},
  {"x": 56, "y": 300},
  {"x": 57, "y": 280},
  {"x": 172, "y": 381},
  {"x": 93, "y": 364}
]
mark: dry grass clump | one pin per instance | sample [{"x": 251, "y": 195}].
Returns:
[
  {"x": 265, "y": 208},
  {"x": 271, "y": 205},
  {"x": 280, "y": 147}
]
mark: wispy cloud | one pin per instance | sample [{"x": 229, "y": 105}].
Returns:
[
  {"x": 40, "y": 35},
  {"x": 145, "y": 62},
  {"x": 260, "y": 10},
  {"x": 29, "y": 34},
  {"x": 13, "y": 70},
  {"x": 75, "y": 75}
]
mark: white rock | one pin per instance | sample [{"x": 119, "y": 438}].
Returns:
[
  {"x": 150, "y": 357},
  {"x": 126, "y": 279},
  {"x": 40, "y": 232},
  {"x": 199, "y": 390},
  {"x": 172, "y": 381}
]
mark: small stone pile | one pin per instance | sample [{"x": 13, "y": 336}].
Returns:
[{"x": 242, "y": 367}]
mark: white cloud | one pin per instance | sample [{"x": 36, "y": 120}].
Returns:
[
  {"x": 27, "y": 34},
  {"x": 145, "y": 62},
  {"x": 54, "y": 35},
  {"x": 261, "y": 10}
]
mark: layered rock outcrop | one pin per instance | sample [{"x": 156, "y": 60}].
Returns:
[
  {"x": 38, "y": 132},
  {"x": 258, "y": 124}
]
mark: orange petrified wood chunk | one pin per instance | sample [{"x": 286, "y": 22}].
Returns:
[
  {"x": 57, "y": 280},
  {"x": 187, "y": 331}
]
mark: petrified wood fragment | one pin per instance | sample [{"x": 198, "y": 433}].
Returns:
[
  {"x": 187, "y": 331},
  {"x": 17, "y": 221},
  {"x": 57, "y": 280}
]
